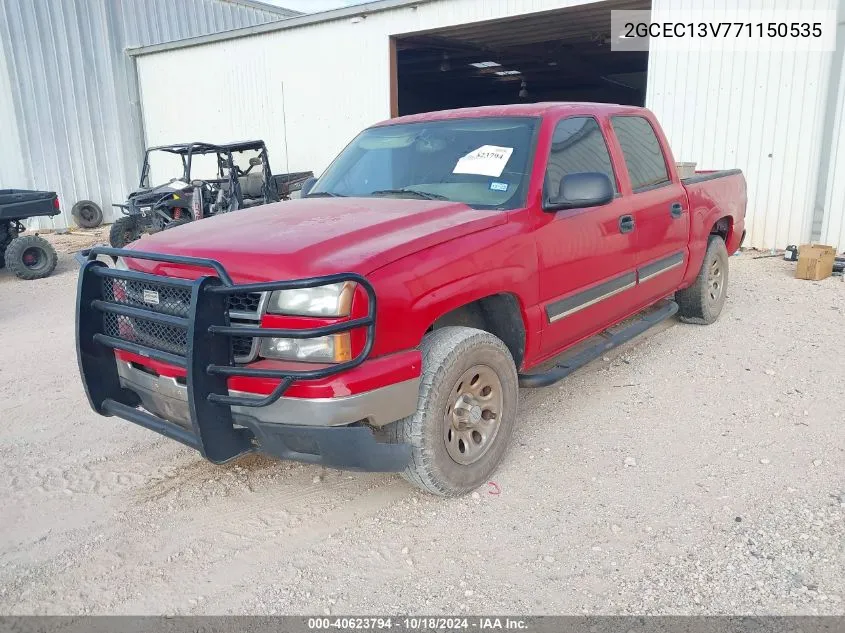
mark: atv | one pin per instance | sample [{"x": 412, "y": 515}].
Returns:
[
  {"x": 212, "y": 179},
  {"x": 27, "y": 256}
]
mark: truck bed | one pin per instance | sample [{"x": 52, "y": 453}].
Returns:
[
  {"x": 702, "y": 176},
  {"x": 19, "y": 204},
  {"x": 715, "y": 194},
  {"x": 288, "y": 183}
]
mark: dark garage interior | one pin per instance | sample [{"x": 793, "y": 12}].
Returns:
[{"x": 560, "y": 55}]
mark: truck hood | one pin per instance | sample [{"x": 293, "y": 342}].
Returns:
[{"x": 315, "y": 236}]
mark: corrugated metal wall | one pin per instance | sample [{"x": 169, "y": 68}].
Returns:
[
  {"x": 329, "y": 80},
  {"x": 761, "y": 111},
  {"x": 833, "y": 222},
  {"x": 74, "y": 127}
]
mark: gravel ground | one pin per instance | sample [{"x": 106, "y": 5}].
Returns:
[{"x": 698, "y": 471}]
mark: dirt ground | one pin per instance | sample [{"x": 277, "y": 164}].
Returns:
[{"x": 699, "y": 471}]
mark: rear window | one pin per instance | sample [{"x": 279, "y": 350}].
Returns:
[{"x": 643, "y": 156}]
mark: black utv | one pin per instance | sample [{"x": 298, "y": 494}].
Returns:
[{"x": 206, "y": 179}]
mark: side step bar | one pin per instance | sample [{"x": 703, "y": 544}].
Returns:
[{"x": 608, "y": 342}]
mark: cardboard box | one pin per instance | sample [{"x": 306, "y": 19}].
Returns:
[{"x": 815, "y": 261}]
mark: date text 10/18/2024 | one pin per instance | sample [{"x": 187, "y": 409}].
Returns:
[{"x": 418, "y": 624}]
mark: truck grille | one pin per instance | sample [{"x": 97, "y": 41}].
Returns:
[{"x": 243, "y": 310}]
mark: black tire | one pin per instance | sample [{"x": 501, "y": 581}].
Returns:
[
  {"x": 31, "y": 257},
  {"x": 450, "y": 355},
  {"x": 125, "y": 230},
  {"x": 703, "y": 301},
  {"x": 87, "y": 214}
]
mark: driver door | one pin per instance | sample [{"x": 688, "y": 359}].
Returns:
[{"x": 588, "y": 255}]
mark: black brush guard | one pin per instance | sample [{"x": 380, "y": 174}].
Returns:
[{"x": 208, "y": 361}]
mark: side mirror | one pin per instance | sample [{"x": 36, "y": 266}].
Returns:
[
  {"x": 307, "y": 186},
  {"x": 197, "y": 183},
  {"x": 576, "y": 191}
]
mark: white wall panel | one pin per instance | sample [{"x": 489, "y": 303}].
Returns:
[
  {"x": 335, "y": 76},
  {"x": 760, "y": 111},
  {"x": 833, "y": 225}
]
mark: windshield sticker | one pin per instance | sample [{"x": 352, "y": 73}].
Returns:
[
  {"x": 487, "y": 160},
  {"x": 498, "y": 186}
]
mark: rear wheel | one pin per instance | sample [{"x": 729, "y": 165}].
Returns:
[
  {"x": 125, "y": 230},
  {"x": 31, "y": 257},
  {"x": 466, "y": 411},
  {"x": 703, "y": 301}
]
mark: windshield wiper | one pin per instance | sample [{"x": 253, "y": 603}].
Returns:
[
  {"x": 325, "y": 194},
  {"x": 425, "y": 195}
]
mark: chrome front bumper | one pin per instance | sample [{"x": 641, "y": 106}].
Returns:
[{"x": 167, "y": 398}]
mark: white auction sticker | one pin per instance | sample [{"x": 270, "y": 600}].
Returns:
[{"x": 487, "y": 160}]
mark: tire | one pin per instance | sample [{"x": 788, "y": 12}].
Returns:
[
  {"x": 459, "y": 365},
  {"x": 703, "y": 301},
  {"x": 87, "y": 214},
  {"x": 125, "y": 230},
  {"x": 31, "y": 257}
]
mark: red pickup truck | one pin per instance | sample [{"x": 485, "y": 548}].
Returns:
[{"x": 386, "y": 320}]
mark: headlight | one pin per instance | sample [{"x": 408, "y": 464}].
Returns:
[
  {"x": 326, "y": 349},
  {"x": 333, "y": 300}
]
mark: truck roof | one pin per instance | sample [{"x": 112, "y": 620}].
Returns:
[{"x": 517, "y": 109}]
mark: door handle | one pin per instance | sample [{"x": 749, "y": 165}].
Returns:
[
  {"x": 675, "y": 209},
  {"x": 626, "y": 223}
]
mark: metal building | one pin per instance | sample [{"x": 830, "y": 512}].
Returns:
[
  {"x": 316, "y": 80},
  {"x": 69, "y": 106}
]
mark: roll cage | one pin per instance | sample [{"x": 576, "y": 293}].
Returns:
[{"x": 227, "y": 167}]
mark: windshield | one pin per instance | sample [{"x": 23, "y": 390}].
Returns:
[{"x": 481, "y": 162}]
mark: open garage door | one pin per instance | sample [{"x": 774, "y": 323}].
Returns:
[{"x": 561, "y": 55}]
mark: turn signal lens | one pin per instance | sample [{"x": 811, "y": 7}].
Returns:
[
  {"x": 342, "y": 347},
  {"x": 325, "y": 349}
]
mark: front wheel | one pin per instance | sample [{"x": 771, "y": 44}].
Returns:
[
  {"x": 466, "y": 411},
  {"x": 125, "y": 230},
  {"x": 703, "y": 301}
]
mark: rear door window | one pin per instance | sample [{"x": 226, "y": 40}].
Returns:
[
  {"x": 577, "y": 146},
  {"x": 642, "y": 152}
]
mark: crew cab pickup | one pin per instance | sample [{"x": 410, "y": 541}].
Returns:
[{"x": 385, "y": 320}]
